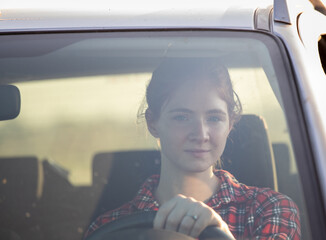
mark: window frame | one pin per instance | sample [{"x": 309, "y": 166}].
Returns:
[{"x": 293, "y": 107}]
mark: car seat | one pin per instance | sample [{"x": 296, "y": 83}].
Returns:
[
  {"x": 248, "y": 153},
  {"x": 19, "y": 195}
]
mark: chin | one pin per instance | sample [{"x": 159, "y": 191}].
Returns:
[{"x": 200, "y": 168}]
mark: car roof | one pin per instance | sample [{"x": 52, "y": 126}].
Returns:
[
  {"x": 206, "y": 14},
  {"x": 119, "y": 14}
]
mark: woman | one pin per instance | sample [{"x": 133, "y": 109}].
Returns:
[{"x": 191, "y": 110}]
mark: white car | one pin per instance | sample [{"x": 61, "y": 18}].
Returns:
[{"x": 72, "y": 147}]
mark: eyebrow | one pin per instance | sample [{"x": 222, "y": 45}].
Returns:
[
  {"x": 216, "y": 111},
  {"x": 186, "y": 110}
]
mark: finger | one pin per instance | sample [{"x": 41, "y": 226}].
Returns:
[
  {"x": 217, "y": 220},
  {"x": 205, "y": 219},
  {"x": 181, "y": 208},
  {"x": 163, "y": 213},
  {"x": 190, "y": 217},
  {"x": 177, "y": 214},
  {"x": 187, "y": 224},
  {"x": 199, "y": 225}
]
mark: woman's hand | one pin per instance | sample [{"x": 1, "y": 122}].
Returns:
[{"x": 188, "y": 216}]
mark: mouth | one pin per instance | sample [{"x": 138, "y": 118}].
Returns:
[{"x": 198, "y": 152}]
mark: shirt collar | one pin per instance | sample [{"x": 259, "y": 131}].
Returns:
[
  {"x": 230, "y": 191},
  {"x": 145, "y": 199}
]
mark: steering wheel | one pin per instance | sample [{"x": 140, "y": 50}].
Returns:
[{"x": 140, "y": 226}]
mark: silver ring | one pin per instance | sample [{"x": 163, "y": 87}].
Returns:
[{"x": 194, "y": 217}]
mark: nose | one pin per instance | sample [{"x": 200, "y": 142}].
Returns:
[{"x": 199, "y": 132}]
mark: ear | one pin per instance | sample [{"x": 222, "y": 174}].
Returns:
[{"x": 151, "y": 123}]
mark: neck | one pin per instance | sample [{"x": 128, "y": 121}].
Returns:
[{"x": 200, "y": 186}]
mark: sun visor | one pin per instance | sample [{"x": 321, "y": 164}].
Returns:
[{"x": 9, "y": 102}]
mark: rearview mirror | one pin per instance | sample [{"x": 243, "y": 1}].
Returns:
[{"x": 9, "y": 102}]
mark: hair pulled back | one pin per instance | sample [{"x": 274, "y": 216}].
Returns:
[{"x": 173, "y": 73}]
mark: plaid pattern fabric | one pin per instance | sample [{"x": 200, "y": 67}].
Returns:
[{"x": 250, "y": 212}]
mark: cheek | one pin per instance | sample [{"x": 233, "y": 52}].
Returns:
[
  {"x": 172, "y": 139},
  {"x": 219, "y": 143},
  {"x": 174, "y": 130},
  {"x": 219, "y": 137}
]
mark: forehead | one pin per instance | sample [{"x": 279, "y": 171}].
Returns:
[{"x": 196, "y": 95}]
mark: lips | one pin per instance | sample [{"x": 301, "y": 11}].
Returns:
[{"x": 197, "y": 152}]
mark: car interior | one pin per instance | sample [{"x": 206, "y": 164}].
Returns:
[{"x": 70, "y": 140}]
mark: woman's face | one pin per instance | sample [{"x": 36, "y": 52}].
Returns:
[{"x": 193, "y": 127}]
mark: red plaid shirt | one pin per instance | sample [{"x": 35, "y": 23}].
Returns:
[{"x": 250, "y": 212}]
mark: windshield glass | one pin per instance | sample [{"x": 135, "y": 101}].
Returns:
[{"x": 81, "y": 99}]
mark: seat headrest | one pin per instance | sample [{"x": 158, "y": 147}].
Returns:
[
  {"x": 19, "y": 179},
  {"x": 248, "y": 153},
  {"x": 19, "y": 185}
]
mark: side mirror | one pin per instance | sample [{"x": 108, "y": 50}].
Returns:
[{"x": 9, "y": 102}]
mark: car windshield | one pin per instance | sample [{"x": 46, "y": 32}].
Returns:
[{"x": 79, "y": 142}]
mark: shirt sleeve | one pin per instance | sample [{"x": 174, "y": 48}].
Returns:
[
  {"x": 277, "y": 217},
  {"x": 108, "y": 217}
]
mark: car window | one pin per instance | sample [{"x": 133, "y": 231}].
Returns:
[{"x": 81, "y": 95}]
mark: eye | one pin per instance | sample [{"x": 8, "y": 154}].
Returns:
[
  {"x": 214, "y": 119},
  {"x": 181, "y": 118}
]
